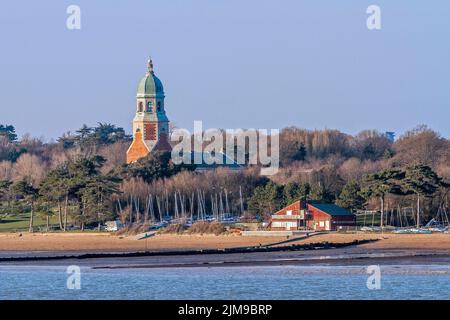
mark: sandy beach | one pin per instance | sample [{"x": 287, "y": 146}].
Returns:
[
  {"x": 70, "y": 248},
  {"x": 103, "y": 242},
  {"x": 110, "y": 251}
]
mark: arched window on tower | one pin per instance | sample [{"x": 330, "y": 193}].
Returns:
[
  {"x": 140, "y": 106},
  {"x": 149, "y": 106},
  {"x": 159, "y": 106}
]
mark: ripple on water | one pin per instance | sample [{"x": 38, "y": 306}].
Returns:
[{"x": 261, "y": 282}]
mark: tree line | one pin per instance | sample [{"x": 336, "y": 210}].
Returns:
[
  {"x": 418, "y": 180},
  {"x": 82, "y": 177}
]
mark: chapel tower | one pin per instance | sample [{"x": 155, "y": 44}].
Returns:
[{"x": 150, "y": 124}]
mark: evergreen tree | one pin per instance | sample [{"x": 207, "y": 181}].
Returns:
[
  {"x": 96, "y": 196},
  {"x": 80, "y": 173},
  {"x": 84, "y": 132},
  {"x": 380, "y": 184},
  {"x": 300, "y": 151},
  {"x": 423, "y": 182},
  {"x": 80, "y": 182},
  {"x": 4, "y": 187},
  {"x": 30, "y": 194},
  {"x": 9, "y": 132},
  {"x": 67, "y": 140},
  {"x": 292, "y": 150},
  {"x": 154, "y": 166},
  {"x": 57, "y": 188},
  {"x": 350, "y": 197},
  {"x": 266, "y": 199},
  {"x": 107, "y": 133},
  {"x": 320, "y": 193},
  {"x": 294, "y": 191}
]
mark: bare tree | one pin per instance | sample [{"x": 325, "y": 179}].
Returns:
[
  {"x": 29, "y": 168},
  {"x": 6, "y": 171}
]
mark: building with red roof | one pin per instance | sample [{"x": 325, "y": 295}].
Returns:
[{"x": 313, "y": 215}]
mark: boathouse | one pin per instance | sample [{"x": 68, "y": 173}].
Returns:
[
  {"x": 328, "y": 216},
  {"x": 317, "y": 216},
  {"x": 292, "y": 217}
]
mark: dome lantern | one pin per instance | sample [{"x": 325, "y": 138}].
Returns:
[
  {"x": 150, "y": 66},
  {"x": 150, "y": 85}
]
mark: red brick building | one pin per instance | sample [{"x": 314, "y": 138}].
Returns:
[{"x": 313, "y": 216}]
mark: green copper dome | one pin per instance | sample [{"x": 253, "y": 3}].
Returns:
[{"x": 150, "y": 85}]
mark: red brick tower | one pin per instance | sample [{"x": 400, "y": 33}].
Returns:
[{"x": 150, "y": 124}]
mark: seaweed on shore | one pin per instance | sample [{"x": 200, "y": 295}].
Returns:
[{"x": 293, "y": 247}]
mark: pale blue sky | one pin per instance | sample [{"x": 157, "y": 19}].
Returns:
[{"x": 230, "y": 63}]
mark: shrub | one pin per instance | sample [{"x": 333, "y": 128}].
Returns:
[
  {"x": 199, "y": 227},
  {"x": 216, "y": 228},
  {"x": 207, "y": 227},
  {"x": 173, "y": 228},
  {"x": 132, "y": 229}
]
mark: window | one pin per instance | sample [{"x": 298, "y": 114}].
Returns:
[
  {"x": 140, "y": 106},
  {"x": 150, "y": 107},
  {"x": 284, "y": 224},
  {"x": 302, "y": 214},
  {"x": 159, "y": 106},
  {"x": 321, "y": 224}
]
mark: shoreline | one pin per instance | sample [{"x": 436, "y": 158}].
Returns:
[
  {"x": 105, "y": 242},
  {"x": 414, "y": 259},
  {"x": 326, "y": 257},
  {"x": 241, "y": 250},
  {"x": 106, "y": 251}
]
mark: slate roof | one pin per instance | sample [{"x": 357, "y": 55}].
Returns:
[
  {"x": 331, "y": 209},
  {"x": 227, "y": 162}
]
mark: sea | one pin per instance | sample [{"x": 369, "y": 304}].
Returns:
[{"x": 429, "y": 282}]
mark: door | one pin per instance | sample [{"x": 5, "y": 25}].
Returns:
[{"x": 327, "y": 225}]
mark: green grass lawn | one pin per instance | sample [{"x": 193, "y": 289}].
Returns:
[
  {"x": 360, "y": 221},
  {"x": 20, "y": 222}
]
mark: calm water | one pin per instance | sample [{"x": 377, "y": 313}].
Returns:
[{"x": 278, "y": 282}]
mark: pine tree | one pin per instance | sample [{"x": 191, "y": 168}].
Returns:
[
  {"x": 294, "y": 191},
  {"x": 423, "y": 182},
  {"x": 382, "y": 183},
  {"x": 4, "y": 187},
  {"x": 320, "y": 193},
  {"x": 30, "y": 194},
  {"x": 9, "y": 132},
  {"x": 350, "y": 196},
  {"x": 266, "y": 199},
  {"x": 57, "y": 188}
]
